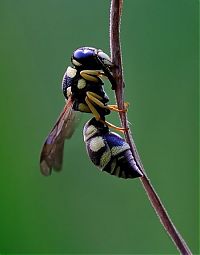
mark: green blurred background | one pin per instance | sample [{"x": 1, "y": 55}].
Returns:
[{"x": 82, "y": 210}]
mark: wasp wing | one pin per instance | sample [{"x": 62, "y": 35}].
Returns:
[{"x": 52, "y": 150}]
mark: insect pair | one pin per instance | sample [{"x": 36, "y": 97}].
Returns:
[{"x": 83, "y": 89}]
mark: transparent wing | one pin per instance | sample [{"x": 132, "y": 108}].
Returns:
[{"x": 52, "y": 150}]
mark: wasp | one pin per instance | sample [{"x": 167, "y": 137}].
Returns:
[
  {"x": 109, "y": 151},
  {"x": 83, "y": 90}
]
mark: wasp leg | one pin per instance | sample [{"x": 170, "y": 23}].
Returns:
[
  {"x": 126, "y": 105},
  {"x": 92, "y": 109},
  {"x": 98, "y": 117},
  {"x": 95, "y": 98},
  {"x": 120, "y": 129},
  {"x": 91, "y": 75}
]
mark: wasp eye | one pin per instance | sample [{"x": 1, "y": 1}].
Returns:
[
  {"x": 90, "y": 58},
  {"x": 83, "y": 53},
  {"x": 105, "y": 58},
  {"x": 83, "y": 56}
]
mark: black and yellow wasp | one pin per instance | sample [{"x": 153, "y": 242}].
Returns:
[{"x": 83, "y": 89}]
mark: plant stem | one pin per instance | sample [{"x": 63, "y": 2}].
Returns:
[{"x": 115, "y": 48}]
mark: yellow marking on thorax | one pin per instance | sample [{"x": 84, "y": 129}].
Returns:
[
  {"x": 81, "y": 84},
  {"x": 71, "y": 72},
  {"x": 69, "y": 91},
  {"x": 83, "y": 107}
]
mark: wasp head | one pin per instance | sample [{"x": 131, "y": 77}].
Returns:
[{"x": 90, "y": 58}]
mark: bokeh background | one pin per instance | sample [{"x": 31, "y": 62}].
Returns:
[{"x": 82, "y": 210}]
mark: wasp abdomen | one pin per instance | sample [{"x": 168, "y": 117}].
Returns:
[
  {"x": 109, "y": 151},
  {"x": 123, "y": 165}
]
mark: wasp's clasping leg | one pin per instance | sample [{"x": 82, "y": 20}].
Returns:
[
  {"x": 114, "y": 107},
  {"x": 120, "y": 129},
  {"x": 92, "y": 109},
  {"x": 98, "y": 117},
  {"x": 91, "y": 75},
  {"x": 95, "y": 99}
]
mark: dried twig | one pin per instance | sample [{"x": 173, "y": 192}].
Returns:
[{"x": 115, "y": 16}]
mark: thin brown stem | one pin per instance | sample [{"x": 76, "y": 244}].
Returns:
[{"x": 115, "y": 48}]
